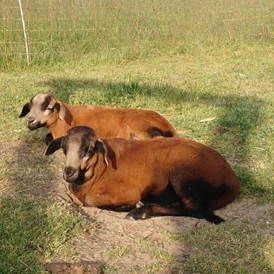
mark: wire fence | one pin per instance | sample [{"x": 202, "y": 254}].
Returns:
[{"x": 43, "y": 31}]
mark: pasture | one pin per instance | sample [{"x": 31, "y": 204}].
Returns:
[{"x": 217, "y": 90}]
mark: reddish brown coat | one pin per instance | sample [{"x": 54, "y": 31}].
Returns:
[
  {"x": 137, "y": 168},
  {"x": 183, "y": 177},
  {"x": 46, "y": 110}
]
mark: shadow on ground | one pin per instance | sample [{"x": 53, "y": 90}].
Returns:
[{"x": 31, "y": 184}]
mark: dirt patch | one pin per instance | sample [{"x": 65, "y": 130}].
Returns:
[
  {"x": 145, "y": 246},
  {"x": 75, "y": 268}
]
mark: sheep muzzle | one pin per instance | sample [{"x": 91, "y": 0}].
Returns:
[
  {"x": 34, "y": 124},
  {"x": 72, "y": 175}
]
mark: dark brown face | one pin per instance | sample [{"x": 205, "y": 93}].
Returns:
[
  {"x": 40, "y": 108},
  {"x": 81, "y": 147}
]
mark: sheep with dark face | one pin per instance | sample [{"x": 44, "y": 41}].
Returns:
[
  {"x": 45, "y": 110},
  {"x": 171, "y": 176}
]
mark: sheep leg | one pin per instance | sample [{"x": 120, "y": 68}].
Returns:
[
  {"x": 150, "y": 210},
  {"x": 205, "y": 212},
  {"x": 197, "y": 195},
  {"x": 212, "y": 217},
  {"x": 121, "y": 202},
  {"x": 123, "y": 208}
]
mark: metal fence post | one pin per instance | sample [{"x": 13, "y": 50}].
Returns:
[{"x": 25, "y": 33}]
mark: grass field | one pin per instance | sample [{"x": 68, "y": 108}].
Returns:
[{"x": 201, "y": 91}]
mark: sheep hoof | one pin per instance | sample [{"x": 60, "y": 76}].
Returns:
[
  {"x": 211, "y": 217},
  {"x": 136, "y": 214},
  {"x": 139, "y": 204},
  {"x": 130, "y": 218}
]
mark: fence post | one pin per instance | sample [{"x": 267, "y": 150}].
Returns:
[{"x": 25, "y": 33}]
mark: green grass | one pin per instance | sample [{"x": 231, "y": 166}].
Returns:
[
  {"x": 239, "y": 248},
  {"x": 201, "y": 77},
  {"x": 116, "y": 252},
  {"x": 34, "y": 231},
  {"x": 156, "y": 251},
  {"x": 235, "y": 88},
  {"x": 201, "y": 87}
]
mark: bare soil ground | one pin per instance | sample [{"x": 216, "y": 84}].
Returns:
[{"x": 144, "y": 246}]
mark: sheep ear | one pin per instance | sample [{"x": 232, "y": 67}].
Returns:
[
  {"x": 61, "y": 110},
  {"x": 25, "y": 110},
  {"x": 48, "y": 138},
  {"x": 54, "y": 145},
  {"x": 101, "y": 147}
]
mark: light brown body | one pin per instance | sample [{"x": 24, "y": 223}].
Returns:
[
  {"x": 46, "y": 110},
  {"x": 110, "y": 122}
]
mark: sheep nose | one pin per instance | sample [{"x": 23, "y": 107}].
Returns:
[
  {"x": 69, "y": 174},
  {"x": 32, "y": 123},
  {"x": 31, "y": 120}
]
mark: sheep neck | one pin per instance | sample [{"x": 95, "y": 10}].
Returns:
[
  {"x": 94, "y": 171},
  {"x": 60, "y": 127}
]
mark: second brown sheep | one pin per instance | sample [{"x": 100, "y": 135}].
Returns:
[{"x": 45, "y": 110}]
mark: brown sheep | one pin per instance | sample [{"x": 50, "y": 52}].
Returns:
[
  {"x": 171, "y": 176},
  {"x": 45, "y": 110}
]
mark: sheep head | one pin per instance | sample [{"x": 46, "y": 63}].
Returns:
[
  {"x": 81, "y": 146},
  {"x": 44, "y": 110}
]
